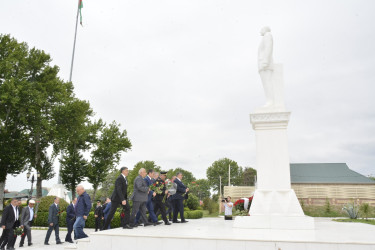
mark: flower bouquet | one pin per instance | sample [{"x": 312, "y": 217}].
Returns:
[{"x": 18, "y": 231}]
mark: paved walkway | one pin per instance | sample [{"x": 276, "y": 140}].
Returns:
[{"x": 38, "y": 237}]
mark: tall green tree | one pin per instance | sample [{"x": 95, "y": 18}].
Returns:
[
  {"x": 13, "y": 138},
  {"x": 248, "y": 176},
  {"x": 109, "y": 145},
  {"x": 74, "y": 135},
  {"x": 221, "y": 168}
]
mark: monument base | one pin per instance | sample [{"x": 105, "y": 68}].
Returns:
[{"x": 60, "y": 191}]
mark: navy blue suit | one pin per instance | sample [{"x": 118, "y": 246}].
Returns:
[
  {"x": 70, "y": 219},
  {"x": 178, "y": 199}
]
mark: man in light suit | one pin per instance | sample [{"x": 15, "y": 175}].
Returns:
[
  {"x": 178, "y": 199},
  {"x": 139, "y": 198},
  {"x": 149, "y": 181},
  {"x": 53, "y": 221},
  {"x": 26, "y": 219},
  {"x": 120, "y": 197},
  {"x": 8, "y": 220},
  {"x": 70, "y": 219}
]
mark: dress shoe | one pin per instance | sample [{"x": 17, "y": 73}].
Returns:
[
  {"x": 46, "y": 243},
  {"x": 177, "y": 221},
  {"x": 59, "y": 242},
  {"x": 127, "y": 227},
  {"x": 139, "y": 224},
  {"x": 185, "y": 221},
  {"x": 134, "y": 225},
  {"x": 157, "y": 223},
  {"x": 21, "y": 245},
  {"x": 30, "y": 244},
  {"x": 167, "y": 223},
  {"x": 148, "y": 224},
  {"x": 170, "y": 220},
  {"x": 70, "y": 241}
]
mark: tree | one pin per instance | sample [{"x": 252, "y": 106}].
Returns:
[
  {"x": 134, "y": 172},
  {"x": 109, "y": 145},
  {"x": 200, "y": 188},
  {"x": 74, "y": 135},
  {"x": 13, "y": 139},
  {"x": 40, "y": 91},
  {"x": 221, "y": 168},
  {"x": 108, "y": 184},
  {"x": 248, "y": 177},
  {"x": 188, "y": 176}
]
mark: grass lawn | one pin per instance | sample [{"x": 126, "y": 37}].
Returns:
[
  {"x": 207, "y": 214},
  {"x": 371, "y": 222}
]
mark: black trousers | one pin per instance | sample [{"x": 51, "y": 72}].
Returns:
[
  {"x": 98, "y": 224},
  {"x": 178, "y": 207},
  {"x": 112, "y": 213},
  {"x": 69, "y": 225},
  {"x": 159, "y": 205},
  {"x": 7, "y": 238}
]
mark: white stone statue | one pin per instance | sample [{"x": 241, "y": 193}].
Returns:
[{"x": 270, "y": 74}]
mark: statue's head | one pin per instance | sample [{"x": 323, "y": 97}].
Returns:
[{"x": 264, "y": 30}]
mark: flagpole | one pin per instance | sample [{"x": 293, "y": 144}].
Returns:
[
  {"x": 74, "y": 44},
  {"x": 70, "y": 79}
]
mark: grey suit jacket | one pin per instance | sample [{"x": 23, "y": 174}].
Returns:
[
  {"x": 140, "y": 192},
  {"x": 25, "y": 216},
  {"x": 53, "y": 216}
]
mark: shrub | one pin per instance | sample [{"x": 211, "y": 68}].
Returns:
[
  {"x": 206, "y": 201},
  {"x": 212, "y": 207},
  {"x": 197, "y": 214},
  {"x": 352, "y": 210},
  {"x": 327, "y": 206},
  {"x": 365, "y": 210},
  {"x": 47, "y": 201},
  {"x": 192, "y": 202}
]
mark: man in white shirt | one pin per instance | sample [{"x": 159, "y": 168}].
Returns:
[
  {"x": 228, "y": 205},
  {"x": 26, "y": 220}
]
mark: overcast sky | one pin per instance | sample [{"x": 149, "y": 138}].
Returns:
[{"x": 181, "y": 76}]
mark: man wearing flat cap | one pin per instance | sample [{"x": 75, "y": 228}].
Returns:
[
  {"x": 27, "y": 217},
  {"x": 160, "y": 182}
]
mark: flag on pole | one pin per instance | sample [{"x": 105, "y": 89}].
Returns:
[{"x": 80, "y": 6}]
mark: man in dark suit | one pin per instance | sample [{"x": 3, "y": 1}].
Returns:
[
  {"x": 106, "y": 208},
  {"x": 26, "y": 219},
  {"x": 53, "y": 221},
  {"x": 139, "y": 197},
  {"x": 178, "y": 199},
  {"x": 159, "y": 205},
  {"x": 70, "y": 219},
  {"x": 8, "y": 220},
  {"x": 98, "y": 215},
  {"x": 120, "y": 197}
]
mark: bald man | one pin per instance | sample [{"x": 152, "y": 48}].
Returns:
[{"x": 82, "y": 210}]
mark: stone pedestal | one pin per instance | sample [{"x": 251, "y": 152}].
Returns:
[
  {"x": 60, "y": 191},
  {"x": 275, "y": 205}
]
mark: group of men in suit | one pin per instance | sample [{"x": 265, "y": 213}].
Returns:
[
  {"x": 12, "y": 218},
  {"x": 145, "y": 199}
]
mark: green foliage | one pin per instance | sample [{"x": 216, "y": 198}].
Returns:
[
  {"x": 192, "y": 202},
  {"x": 371, "y": 222},
  {"x": 320, "y": 211},
  {"x": 47, "y": 201},
  {"x": 352, "y": 210},
  {"x": 108, "y": 146},
  {"x": 327, "y": 206},
  {"x": 221, "y": 168},
  {"x": 248, "y": 177},
  {"x": 196, "y": 214},
  {"x": 200, "y": 188},
  {"x": 365, "y": 210},
  {"x": 210, "y": 205},
  {"x": 108, "y": 185},
  {"x": 188, "y": 176}
]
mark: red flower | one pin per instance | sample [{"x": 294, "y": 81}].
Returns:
[
  {"x": 154, "y": 184},
  {"x": 122, "y": 215},
  {"x": 193, "y": 182}
]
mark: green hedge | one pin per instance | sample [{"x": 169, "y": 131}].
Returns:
[
  {"x": 47, "y": 201},
  {"x": 42, "y": 220}
]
